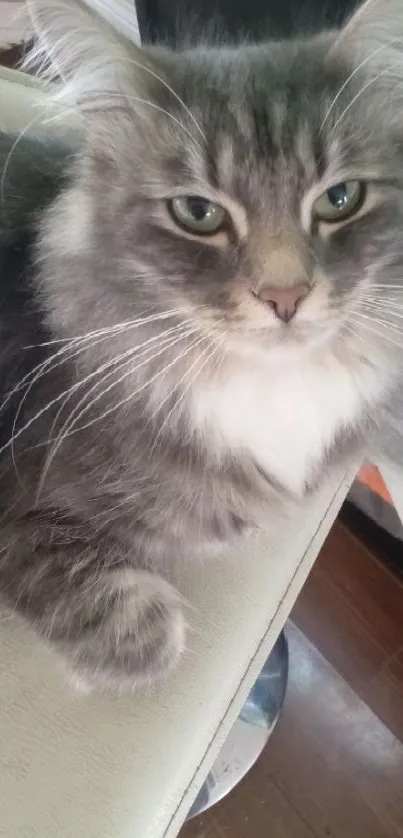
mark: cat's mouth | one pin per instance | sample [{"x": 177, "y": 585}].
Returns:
[
  {"x": 299, "y": 333},
  {"x": 295, "y": 334},
  {"x": 299, "y": 325}
]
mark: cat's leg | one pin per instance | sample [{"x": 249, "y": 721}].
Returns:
[{"x": 116, "y": 627}]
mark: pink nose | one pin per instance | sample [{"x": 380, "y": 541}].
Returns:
[{"x": 284, "y": 301}]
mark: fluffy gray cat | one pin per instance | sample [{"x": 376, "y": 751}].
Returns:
[{"x": 200, "y": 306}]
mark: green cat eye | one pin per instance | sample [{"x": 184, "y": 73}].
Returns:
[
  {"x": 197, "y": 215},
  {"x": 339, "y": 202}
]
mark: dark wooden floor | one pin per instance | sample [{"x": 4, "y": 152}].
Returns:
[{"x": 334, "y": 766}]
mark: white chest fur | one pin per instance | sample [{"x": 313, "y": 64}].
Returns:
[{"x": 285, "y": 415}]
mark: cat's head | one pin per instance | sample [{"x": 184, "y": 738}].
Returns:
[{"x": 257, "y": 189}]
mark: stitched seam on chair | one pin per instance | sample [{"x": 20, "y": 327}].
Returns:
[{"x": 258, "y": 647}]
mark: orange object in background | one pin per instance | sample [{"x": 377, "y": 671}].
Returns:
[{"x": 370, "y": 476}]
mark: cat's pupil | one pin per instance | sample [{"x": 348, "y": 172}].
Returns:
[
  {"x": 338, "y": 195},
  {"x": 198, "y": 208}
]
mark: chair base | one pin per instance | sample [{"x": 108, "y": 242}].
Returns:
[{"x": 251, "y": 731}]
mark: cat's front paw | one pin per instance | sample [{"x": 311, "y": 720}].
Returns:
[{"x": 135, "y": 634}]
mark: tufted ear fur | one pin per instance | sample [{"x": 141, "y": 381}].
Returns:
[
  {"x": 100, "y": 68},
  {"x": 105, "y": 74},
  {"x": 374, "y": 37}
]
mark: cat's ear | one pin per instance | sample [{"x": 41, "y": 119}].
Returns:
[
  {"x": 88, "y": 51},
  {"x": 373, "y": 37}
]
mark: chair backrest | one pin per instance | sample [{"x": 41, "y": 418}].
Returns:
[{"x": 27, "y": 107}]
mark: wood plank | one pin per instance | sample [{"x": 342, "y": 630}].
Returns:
[
  {"x": 331, "y": 767},
  {"x": 352, "y": 609},
  {"x": 385, "y": 695},
  {"x": 336, "y": 761}
]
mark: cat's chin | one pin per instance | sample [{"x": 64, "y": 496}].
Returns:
[
  {"x": 307, "y": 335},
  {"x": 296, "y": 336},
  {"x": 289, "y": 349}
]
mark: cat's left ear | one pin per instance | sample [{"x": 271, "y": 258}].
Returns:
[{"x": 373, "y": 38}]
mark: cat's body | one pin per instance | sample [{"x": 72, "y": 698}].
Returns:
[{"x": 153, "y": 404}]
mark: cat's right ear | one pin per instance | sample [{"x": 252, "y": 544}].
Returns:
[{"x": 99, "y": 67}]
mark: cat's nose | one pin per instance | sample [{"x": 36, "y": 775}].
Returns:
[{"x": 284, "y": 301}]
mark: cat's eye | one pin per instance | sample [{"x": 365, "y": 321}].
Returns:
[
  {"x": 197, "y": 215},
  {"x": 339, "y": 202}
]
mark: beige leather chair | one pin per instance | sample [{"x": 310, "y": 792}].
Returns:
[{"x": 103, "y": 767}]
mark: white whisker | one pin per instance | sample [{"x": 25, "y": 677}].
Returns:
[
  {"x": 74, "y": 416},
  {"x": 200, "y": 367},
  {"x": 382, "y": 310},
  {"x": 135, "y": 392},
  {"x": 83, "y": 342},
  {"x": 361, "y": 325},
  {"x": 34, "y": 418},
  {"x": 171, "y": 90},
  {"x": 385, "y": 285},
  {"x": 125, "y": 324},
  {"x": 359, "y": 94},
  {"x": 380, "y": 320},
  {"x": 376, "y": 309},
  {"x": 43, "y": 369},
  {"x": 382, "y": 299},
  {"x": 362, "y": 64},
  {"x": 389, "y": 302},
  {"x": 94, "y": 106},
  {"x": 139, "y": 351}
]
